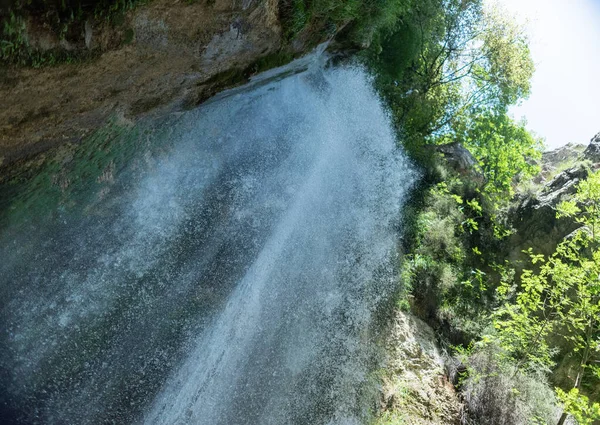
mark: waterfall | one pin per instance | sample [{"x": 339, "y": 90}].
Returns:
[{"x": 230, "y": 277}]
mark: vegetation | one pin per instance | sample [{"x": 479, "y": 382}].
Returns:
[
  {"x": 362, "y": 19},
  {"x": 444, "y": 237},
  {"x": 71, "y": 174},
  {"x": 449, "y": 71},
  {"x": 498, "y": 393},
  {"x": 557, "y": 307},
  {"x": 527, "y": 333}
]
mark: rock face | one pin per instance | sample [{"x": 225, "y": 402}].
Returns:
[
  {"x": 165, "y": 54},
  {"x": 416, "y": 390},
  {"x": 592, "y": 152},
  {"x": 534, "y": 217},
  {"x": 461, "y": 160},
  {"x": 557, "y": 158},
  {"x": 458, "y": 157}
]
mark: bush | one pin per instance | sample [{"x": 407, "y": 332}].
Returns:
[
  {"x": 452, "y": 286},
  {"x": 496, "y": 393}
]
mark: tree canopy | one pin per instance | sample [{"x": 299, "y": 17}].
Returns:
[{"x": 450, "y": 69}]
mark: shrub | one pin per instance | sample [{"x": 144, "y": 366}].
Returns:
[{"x": 496, "y": 393}]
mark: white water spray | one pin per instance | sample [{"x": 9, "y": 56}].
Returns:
[{"x": 267, "y": 237}]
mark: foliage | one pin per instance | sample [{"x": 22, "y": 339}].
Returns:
[
  {"x": 448, "y": 267},
  {"x": 14, "y": 40},
  {"x": 449, "y": 70},
  {"x": 578, "y": 405},
  {"x": 461, "y": 57},
  {"x": 557, "y": 306},
  {"x": 363, "y": 18},
  {"x": 505, "y": 150}
]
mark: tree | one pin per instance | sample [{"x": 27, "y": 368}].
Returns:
[
  {"x": 449, "y": 71},
  {"x": 453, "y": 56},
  {"x": 505, "y": 149}
]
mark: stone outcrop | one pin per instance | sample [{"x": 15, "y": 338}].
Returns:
[
  {"x": 416, "y": 390},
  {"x": 534, "y": 215},
  {"x": 552, "y": 160},
  {"x": 458, "y": 158},
  {"x": 592, "y": 152}
]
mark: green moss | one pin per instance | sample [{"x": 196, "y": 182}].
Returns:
[
  {"x": 72, "y": 174},
  {"x": 128, "y": 36},
  {"x": 322, "y": 19},
  {"x": 270, "y": 61}
]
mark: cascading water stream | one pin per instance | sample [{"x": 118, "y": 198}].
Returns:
[{"x": 232, "y": 278}]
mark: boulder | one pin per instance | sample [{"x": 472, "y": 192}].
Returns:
[
  {"x": 458, "y": 157},
  {"x": 461, "y": 160}
]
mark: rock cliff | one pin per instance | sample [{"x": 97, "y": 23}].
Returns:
[
  {"x": 534, "y": 213},
  {"x": 163, "y": 54}
]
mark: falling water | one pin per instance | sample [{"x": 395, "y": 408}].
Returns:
[{"x": 230, "y": 277}]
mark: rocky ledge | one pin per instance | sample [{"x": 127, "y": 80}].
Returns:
[{"x": 163, "y": 55}]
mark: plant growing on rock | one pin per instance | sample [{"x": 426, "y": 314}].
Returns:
[{"x": 557, "y": 307}]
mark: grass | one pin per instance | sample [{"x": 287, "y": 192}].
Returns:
[
  {"x": 14, "y": 47},
  {"x": 16, "y": 50}
]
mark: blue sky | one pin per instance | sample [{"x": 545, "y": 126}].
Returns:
[{"x": 564, "y": 105}]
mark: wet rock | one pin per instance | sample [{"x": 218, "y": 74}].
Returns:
[{"x": 158, "y": 55}]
